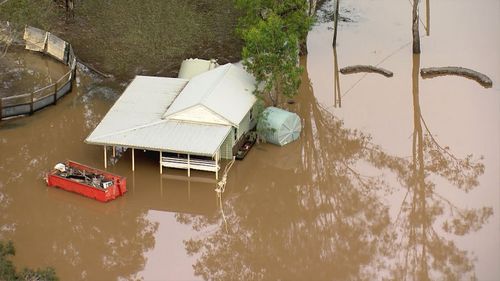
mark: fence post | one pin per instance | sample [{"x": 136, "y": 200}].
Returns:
[
  {"x": 55, "y": 93},
  {"x": 31, "y": 104}
]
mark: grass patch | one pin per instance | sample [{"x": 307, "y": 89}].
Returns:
[
  {"x": 40, "y": 13},
  {"x": 129, "y": 37}
]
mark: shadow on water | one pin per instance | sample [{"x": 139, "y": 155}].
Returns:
[
  {"x": 12, "y": 125},
  {"x": 316, "y": 214}
]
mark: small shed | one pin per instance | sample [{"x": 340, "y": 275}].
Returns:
[{"x": 279, "y": 126}]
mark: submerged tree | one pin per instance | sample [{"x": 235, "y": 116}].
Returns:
[{"x": 415, "y": 32}]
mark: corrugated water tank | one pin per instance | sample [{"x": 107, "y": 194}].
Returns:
[{"x": 279, "y": 126}]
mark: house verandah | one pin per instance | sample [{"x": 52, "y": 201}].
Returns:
[
  {"x": 180, "y": 145},
  {"x": 184, "y": 161}
]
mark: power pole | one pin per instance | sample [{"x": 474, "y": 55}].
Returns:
[
  {"x": 416, "y": 35},
  {"x": 334, "y": 43}
]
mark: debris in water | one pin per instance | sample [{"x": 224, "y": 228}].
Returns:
[
  {"x": 366, "y": 68},
  {"x": 482, "y": 79}
]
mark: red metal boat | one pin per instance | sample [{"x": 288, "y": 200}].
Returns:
[{"x": 87, "y": 181}]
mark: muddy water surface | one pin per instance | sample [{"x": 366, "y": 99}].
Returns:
[
  {"x": 378, "y": 186},
  {"x": 22, "y": 72}
]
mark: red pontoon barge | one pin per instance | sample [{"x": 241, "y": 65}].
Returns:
[{"x": 87, "y": 181}]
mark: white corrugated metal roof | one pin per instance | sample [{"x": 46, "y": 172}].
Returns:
[
  {"x": 226, "y": 90},
  {"x": 135, "y": 121},
  {"x": 143, "y": 102},
  {"x": 170, "y": 135}
]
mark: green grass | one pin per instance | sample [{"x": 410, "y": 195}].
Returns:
[
  {"x": 128, "y": 37},
  {"x": 39, "y": 13}
]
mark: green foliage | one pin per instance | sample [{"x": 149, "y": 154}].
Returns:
[
  {"x": 8, "y": 270},
  {"x": 294, "y": 13},
  {"x": 270, "y": 54},
  {"x": 272, "y": 32}
]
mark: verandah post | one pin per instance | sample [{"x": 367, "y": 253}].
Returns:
[
  {"x": 217, "y": 165},
  {"x": 133, "y": 160},
  {"x": 105, "y": 158},
  {"x": 161, "y": 167}
]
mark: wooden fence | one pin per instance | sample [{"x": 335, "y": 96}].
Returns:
[{"x": 28, "y": 103}]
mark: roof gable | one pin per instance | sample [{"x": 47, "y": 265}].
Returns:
[
  {"x": 226, "y": 90},
  {"x": 199, "y": 114}
]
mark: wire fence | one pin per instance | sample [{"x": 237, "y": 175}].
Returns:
[{"x": 42, "y": 41}]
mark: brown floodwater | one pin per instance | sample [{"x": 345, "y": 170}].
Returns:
[
  {"x": 396, "y": 178},
  {"x": 22, "y": 72}
]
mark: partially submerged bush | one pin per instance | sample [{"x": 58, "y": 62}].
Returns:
[{"x": 8, "y": 271}]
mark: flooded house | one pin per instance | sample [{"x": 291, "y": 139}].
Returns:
[{"x": 192, "y": 123}]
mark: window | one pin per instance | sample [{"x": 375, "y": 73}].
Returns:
[{"x": 235, "y": 134}]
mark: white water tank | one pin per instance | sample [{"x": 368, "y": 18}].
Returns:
[{"x": 192, "y": 67}]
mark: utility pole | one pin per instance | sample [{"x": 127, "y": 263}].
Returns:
[
  {"x": 334, "y": 43},
  {"x": 428, "y": 17},
  {"x": 416, "y": 35},
  {"x": 337, "y": 97}
]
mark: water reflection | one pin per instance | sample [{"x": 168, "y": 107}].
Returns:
[
  {"x": 83, "y": 239},
  {"x": 316, "y": 215},
  {"x": 424, "y": 252}
]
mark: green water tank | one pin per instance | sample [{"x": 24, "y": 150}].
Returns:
[{"x": 279, "y": 126}]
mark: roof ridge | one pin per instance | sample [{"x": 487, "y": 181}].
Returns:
[{"x": 207, "y": 93}]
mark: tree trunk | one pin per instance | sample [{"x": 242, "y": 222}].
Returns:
[
  {"x": 303, "y": 48},
  {"x": 70, "y": 9},
  {"x": 416, "y": 35}
]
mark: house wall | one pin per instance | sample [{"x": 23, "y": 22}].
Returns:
[
  {"x": 226, "y": 149},
  {"x": 245, "y": 125}
]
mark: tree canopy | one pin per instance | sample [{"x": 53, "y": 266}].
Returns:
[{"x": 272, "y": 32}]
